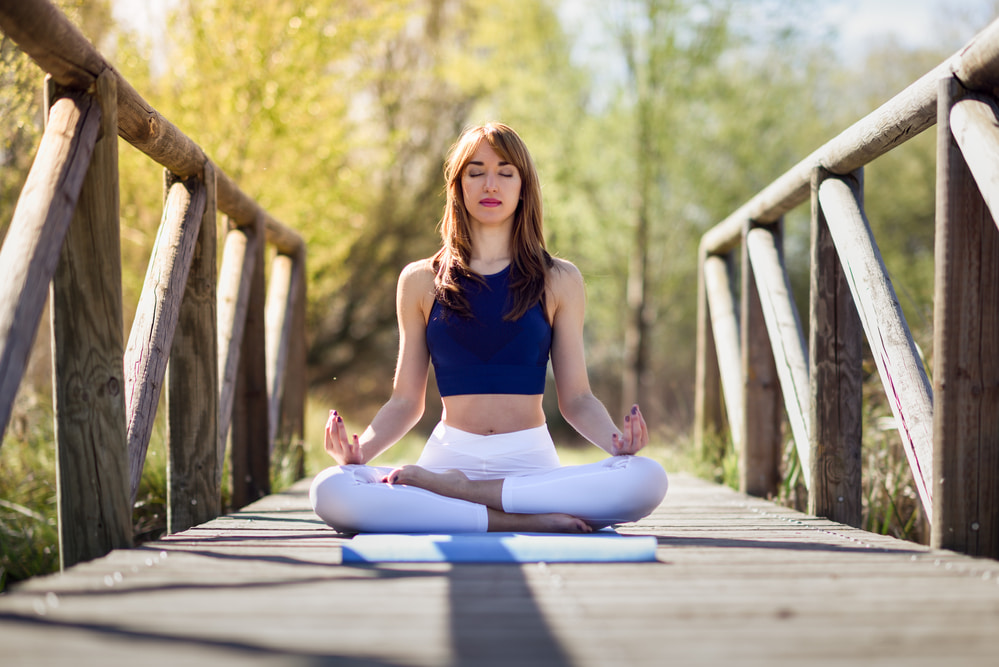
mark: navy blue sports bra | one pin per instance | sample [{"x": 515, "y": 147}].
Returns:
[{"x": 486, "y": 354}]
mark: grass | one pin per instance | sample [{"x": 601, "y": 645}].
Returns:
[
  {"x": 29, "y": 536},
  {"x": 29, "y": 533},
  {"x": 890, "y": 503}
]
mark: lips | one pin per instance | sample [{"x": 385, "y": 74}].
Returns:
[{"x": 490, "y": 203}]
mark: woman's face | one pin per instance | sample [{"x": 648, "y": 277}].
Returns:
[{"x": 490, "y": 186}]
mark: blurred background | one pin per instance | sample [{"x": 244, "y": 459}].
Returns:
[{"x": 649, "y": 121}]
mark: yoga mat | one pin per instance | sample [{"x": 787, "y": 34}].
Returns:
[{"x": 600, "y": 547}]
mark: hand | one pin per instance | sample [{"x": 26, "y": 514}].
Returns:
[
  {"x": 635, "y": 436},
  {"x": 344, "y": 450}
]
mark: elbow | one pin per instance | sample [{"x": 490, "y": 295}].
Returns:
[
  {"x": 573, "y": 406},
  {"x": 417, "y": 413},
  {"x": 409, "y": 408}
]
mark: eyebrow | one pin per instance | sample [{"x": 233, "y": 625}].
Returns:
[{"x": 482, "y": 164}]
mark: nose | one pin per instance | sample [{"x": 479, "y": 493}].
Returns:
[{"x": 490, "y": 183}]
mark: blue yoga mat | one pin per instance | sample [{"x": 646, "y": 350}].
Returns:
[{"x": 601, "y": 547}]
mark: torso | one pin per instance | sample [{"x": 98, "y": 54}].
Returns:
[{"x": 488, "y": 414}]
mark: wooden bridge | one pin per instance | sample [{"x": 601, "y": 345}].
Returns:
[{"x": 737, "y": 578}]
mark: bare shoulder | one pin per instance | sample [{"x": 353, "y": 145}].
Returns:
[
  {"x": 420, "y": 271},
  {"x": 564, "y": 277},
  {"x": 565, "y": 288},
  {"x": 416, "y": 284}
]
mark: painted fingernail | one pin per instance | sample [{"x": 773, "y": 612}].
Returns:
[
  {"x": 634, "y": 409},
  {"x": 627, "y": 418}
]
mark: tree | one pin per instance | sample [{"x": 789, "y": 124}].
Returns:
[{"x": 336, "y": 116}]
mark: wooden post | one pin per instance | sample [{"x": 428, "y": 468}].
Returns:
[
  {"x": 907, "y": 387},
  {"x": 709, "y": 420},
  {"x": 973, "y": 124},
  {"x": 31, "y": 248},
  {"x": 250, "y": 429},
  {"x": 156, "y": 315},
  {"x": 235, "y": 278},
  {"x": 759, "y": 460},
  {"x": 725, "y": 325},
  {"x": 965, "y": 353},
  {"x": 194, "y": 473},
  {"x": 787, "y": 342},
  {"x": 279, "y": 314},
  {"x": 95, "y": 515},
  {"x": 291, "y": 428},
  {"x": 835, "y": 350}
]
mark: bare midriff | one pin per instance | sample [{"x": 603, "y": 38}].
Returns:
[{"x": 487, "y": 414}]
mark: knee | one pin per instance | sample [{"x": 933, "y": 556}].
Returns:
[
  {"x": 647, "y": 481},
  {"x": 328, "y": 496}
]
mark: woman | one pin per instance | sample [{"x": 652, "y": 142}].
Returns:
[{"x": 488, "y": 310}]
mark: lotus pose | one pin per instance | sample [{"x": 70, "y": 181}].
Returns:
[{"x": 489, "y": 310}]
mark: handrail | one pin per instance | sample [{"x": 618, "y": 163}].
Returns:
[
  {"x": 42, "y": 31},
  {"x": 224, "y": 346},
  {"x": 825, "y": 419},
  {"x": 892, "y": 124}
]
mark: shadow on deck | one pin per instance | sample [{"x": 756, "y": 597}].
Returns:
[{"x": 737, "y": 580}]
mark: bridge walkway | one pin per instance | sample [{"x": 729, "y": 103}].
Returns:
[{"x": 738, "y": 580}]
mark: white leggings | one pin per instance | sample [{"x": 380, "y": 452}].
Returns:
[{"x": 618, "y": 489}]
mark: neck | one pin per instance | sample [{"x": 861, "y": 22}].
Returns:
[{"x": 491, "y": 248}]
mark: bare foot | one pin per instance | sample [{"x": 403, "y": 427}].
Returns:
[
  {"x": 537, "y": 523},
  {"x": 455, "y": 484},
  {"x": 452, "y": 483}
]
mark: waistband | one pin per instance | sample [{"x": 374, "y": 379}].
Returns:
[{"x": 490, "y": 456}]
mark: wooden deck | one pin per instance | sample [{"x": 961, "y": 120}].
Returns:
[{"x": 739, "y": 581}]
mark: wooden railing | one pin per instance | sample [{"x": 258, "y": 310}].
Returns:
[
  {"x": 230, "y": 350},
  {"x": 752, "y": 354}
]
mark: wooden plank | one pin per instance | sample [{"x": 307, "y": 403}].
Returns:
[
  {"x": 786, "y": 336},
  {"x": 725, "y": 326},
  {"x": 95, "y": 515},
  {"x": 781, "y": 588},
  {"x": 155, "y": 322},
  {"x": 194, "y": 472},
  {"x": 709, "y": 420},
  {"x": 292, "y": 414},
  {"x": 973, "y": 123},
  {"x": 239, "y": 256},
  {"x": 977, "y": 62},
  {"x": 902, "y": 374},
  {"x": 280, "y": 307},
  {"x": 759, "y": 458},
  {"x": 30, "y": 251},
  {"x": 250, "y": 415},
  {"x": 965, "y": 352},
  {"x": 835, "y": 351}
]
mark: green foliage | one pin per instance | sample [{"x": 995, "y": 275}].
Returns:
[
  {"x": 20, "y": 120},
  {"x": 336, "y": 115},
  {"x": 29, "y": 537}
]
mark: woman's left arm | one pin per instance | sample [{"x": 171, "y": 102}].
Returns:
[{"x": 583, "y": 410}]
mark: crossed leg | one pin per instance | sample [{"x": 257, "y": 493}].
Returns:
[
  {"x": 413, "y": 499},
  {"x": 488, "y": 492}
]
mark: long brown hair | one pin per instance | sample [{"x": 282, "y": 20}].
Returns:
[{"x": 529, "y": 261}]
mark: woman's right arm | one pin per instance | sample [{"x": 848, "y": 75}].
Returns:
[{"x": 414, "y": 297}]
